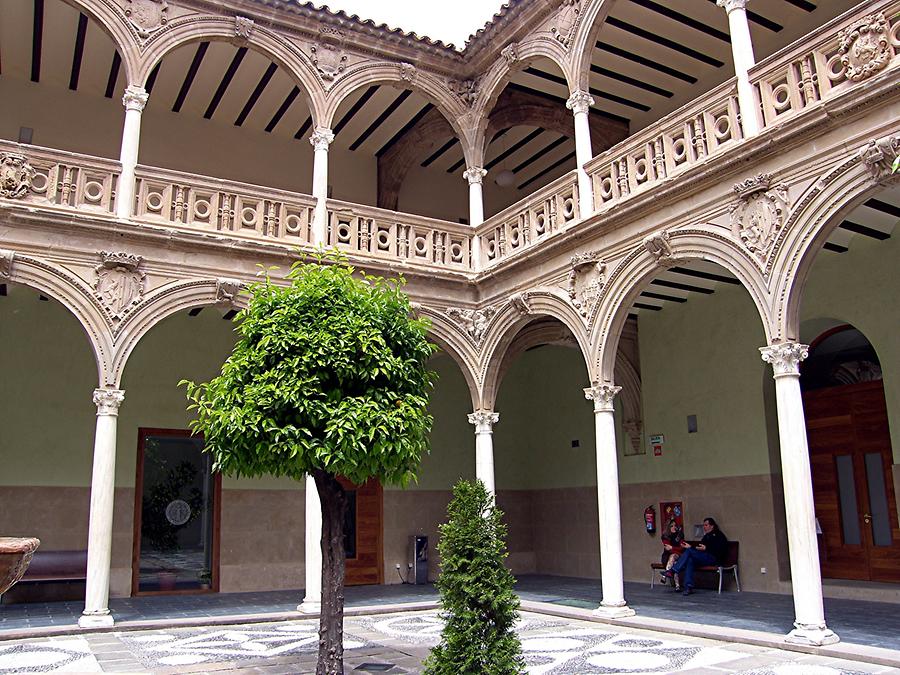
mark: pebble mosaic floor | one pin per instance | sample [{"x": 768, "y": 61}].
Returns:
[{"x": 396, "y": 643}]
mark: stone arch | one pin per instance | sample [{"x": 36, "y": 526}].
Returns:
[
  {"x": 111, "y": 20},
  {"x": 507, "y": 324},
  {"x": 634, "y": 272},
  {"x": 186, "y": 30},
  {"x": 446, "y": 336},
  {"x": 74, "y": 295},
  {"x": 818, "y": 212},
  {"x": 628, "y": 378},
  {"x": 581, "y": 46}
]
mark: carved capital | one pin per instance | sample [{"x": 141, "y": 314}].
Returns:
[
  {"x": 108, "y": 401},
  {"x": 6, "y": 263},
  {"x": 658, "y": 246},
  {"x": 474, "y": 174},
  {"x": 785, "y": 357},
  {"x": 580, "y": 102},
  {"x": 602, "y": 395},
  {"x": 484, "y": 420},
  {"x": 510, "y": 52},
  {"x": 243, "y": 28},
  {"x": 865, "y": 47},
  {"x": 16, "y": 175},
  {"x": 227, "y": 291},
  {"x": 879, "y": 154},
  {"x": 135, "y": 98},
  {"x": 321, "y": 138},
  {"x": 731, "y": 5}
]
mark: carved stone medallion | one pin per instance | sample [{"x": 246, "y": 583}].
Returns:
[
  {"x": 119, "y": 285},
  {"x": 586, "y": 280},
  {"x": 759, "y": 215},
  {"x": 146, "y": 16},
  {"x": 16, "y": 175},
  {"x": 865, "y": 47},
  {"x": 473, "y": 321},
  {"x": 566, "y": 20}
]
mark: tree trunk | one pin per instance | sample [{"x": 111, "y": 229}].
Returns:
[{"x": 331, "y": 620}]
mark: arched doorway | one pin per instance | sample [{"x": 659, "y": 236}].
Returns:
[{"x": 851, "y": 458}]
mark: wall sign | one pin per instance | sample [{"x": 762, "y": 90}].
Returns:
[{"x": 656, "y": 444}]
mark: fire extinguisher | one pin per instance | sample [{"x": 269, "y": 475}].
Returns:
[{"x": 650, "y": 519}]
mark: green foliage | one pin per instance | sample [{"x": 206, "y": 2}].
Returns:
[
  {"x": 329, "y": 372},
  {"x": 478, "y": 604}
]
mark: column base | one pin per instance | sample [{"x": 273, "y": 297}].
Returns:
[
  {"x": 104, "y": 620},
  {"x": 815, "y": 636},
  {"x": 613, "y": 611},
  {"x": 310, "y": 607}
]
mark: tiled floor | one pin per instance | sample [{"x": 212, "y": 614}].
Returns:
[
  {"x": 397, "y": 643},
  {"x": 866, "y": 623}
]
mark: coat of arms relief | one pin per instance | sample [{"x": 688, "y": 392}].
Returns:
[
  {"x": 146, "y": 16},
  {"x": 865, "y": 47},
  {"x": 759, "y": 215},
  {"x": 119, "y": 285}
]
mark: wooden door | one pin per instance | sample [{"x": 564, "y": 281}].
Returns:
[
  {"x": 363, "y": 533},
  {"x": 850, "y": 457}
]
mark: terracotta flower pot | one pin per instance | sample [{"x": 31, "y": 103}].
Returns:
[
  {"x": 15, "y": 556},
  {"x": 166, "y": 580}
]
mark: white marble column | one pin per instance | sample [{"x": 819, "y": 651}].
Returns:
[
  {"x": 580, "y": 104},
  {"x": 799, "y": 507},
  {"x": 744, "y": 60},
  {"x": 134, "y": 100},
  {"x": 312, "y": 601},
  {"x": 613, "y": 603},
  {"x": 484, "y": 421},
  {"x": 320, "y": 139},
  {"x": 103, "y": 484},
  {"x": 475, "y": 175}
]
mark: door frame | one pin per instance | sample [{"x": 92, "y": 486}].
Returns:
[{"x": 136, "y": 531}]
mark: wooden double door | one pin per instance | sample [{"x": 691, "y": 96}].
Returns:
[
  {"x": 851, "y": 458},
  {"x": 363, "y": 527}
]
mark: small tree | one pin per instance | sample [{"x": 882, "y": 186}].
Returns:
[
  {"x": 478, "y": 604},
  {"x": 328, "y": 378}
]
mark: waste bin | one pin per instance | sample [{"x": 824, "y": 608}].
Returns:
[{"x": 418, "y": 554}]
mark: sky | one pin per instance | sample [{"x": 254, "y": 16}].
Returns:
[{"x": 451, "y": 21}]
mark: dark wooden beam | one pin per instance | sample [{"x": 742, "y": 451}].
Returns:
[
  {"x": 189, "y": 77},
  {"x": 850, "y": 226},
  {"x": 440, "y": 151},
  {"x": 550, "y": 168},
  {"x": 683, "y": 19},
  {"x": 649, "y": 63},
  {"x": 355, "y": 108},
  {"x": 226, "y": 80},
  {"x": 518, "y": 145},
  {"x": 113, "y": 75},
  {"x": 664, "y": 42},
  {"x": 387, "y": 112},
  {"x": 682, "y": 287},
  {"x": 37, "y": 38},
  {"x": 406, "y": 127},
  {"x": 257, "y": 92},
  {"x": 78, "y": 54},
  {"x": 282, "y": 109},
  {"x": 662, "y": 296},
  {"x": 709, "y": 276},
  {"x": 640, "y": 84}
]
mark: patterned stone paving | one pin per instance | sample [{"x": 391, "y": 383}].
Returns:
[{"x": 397, "y": 643}]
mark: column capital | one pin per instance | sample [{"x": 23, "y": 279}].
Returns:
[
  {"x": 785, "y": 357},
  {"x": 474, "y": 174},
  {"x": 483, "y": 420},
  {"x": 108, "y": 401},
  {"x": 731, "y": 5},
  {"x": 602, "y": 395},
  {"x": 580, "y": 102},
  {"x": 321, "y": 138},
  {"x": 135, "y": 98}
]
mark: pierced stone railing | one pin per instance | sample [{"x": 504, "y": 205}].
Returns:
[
  {"x": 227, "y": 207},
  {"x": 827, "y": 62},
  {"x": 391, "y": 235},
  {"x": 522, "y": 225},
  {"x": 59, "y": 178}
]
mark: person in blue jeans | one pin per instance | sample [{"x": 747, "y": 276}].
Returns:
[{"x": 711, "y": 550}]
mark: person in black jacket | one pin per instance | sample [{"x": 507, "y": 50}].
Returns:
[{"x": 711, "y": 550}]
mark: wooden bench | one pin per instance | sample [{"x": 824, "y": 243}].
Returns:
[
  {"x": 729, "y": 565},
  {"x": 53, "y": 566}
]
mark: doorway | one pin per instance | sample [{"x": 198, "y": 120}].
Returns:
[
  {"x": 176, "y": 515},
  {"x": 363, "y": 533},
  {"x": 851, "y": 458}
]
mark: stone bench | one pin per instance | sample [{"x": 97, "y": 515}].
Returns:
[{"x": 730, "y": 564}]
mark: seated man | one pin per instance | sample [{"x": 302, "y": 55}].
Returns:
[{"x": 711, "y": 550}]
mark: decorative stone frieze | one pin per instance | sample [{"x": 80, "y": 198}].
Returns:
[
  {"x": 580, "y": 102},
  {"x": 510, "y": 52},
  {"x": 586, "y": 280},
  {"x": 407, "y": 72},
  {"x": 147, "y": 16},
  {"x": 467, "y": 90},
  {"x": 759, "y": 216},
  {"x": 243, "y": 28},
  {"x": 731, "y": 5},
  {"x": 108, "y": 401},
  {"x": 474, "y": 174},
  {"x": 658, "y": 246},
  {"x": 865, "y": 46},
  {"x": 321, "y": 138},
  {"x": 328, "y": 55},
  {"x": 879, "y": 155},
  {"x": 135, "y": 98},
  {"x": 6, "y": 263},
  {"x": 473, "y": 321},
  {"x": 16, "y": 175},
  {"x": 785, "y": 357},
  {"x": 602, "y": 395},
  {"x": 120, "y": 284},
  {"x": 566, "y": 21},
  {"x": 521, "y": 302},
  {"x": 227, "y": 291}
]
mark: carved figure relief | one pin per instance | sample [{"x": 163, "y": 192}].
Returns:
[
  {"x": 474, "y": 321},
  {"x": 227, "y": 291},
  {"x": 566, "y": 21},
  {"x": 16, "y": 175},
  {"x": 658, "y": 246},
  {"x": 467, "y": 90},
  {"x": 879, "y": 154},
  {"x": 521, "y": 302},
  {"x": 243, "y": 28},
  {"x": 510, "y": 53},
  {"x": 328, "y": 55},
  {"x": 759, "y": 215},
  {"x": 146, "y": 16},
  {"x": 586, "y": 280},
  {"x": 119, "y": 285},
  {"x": 865, "y": 47},
  {"x": 6, "y": 263}
]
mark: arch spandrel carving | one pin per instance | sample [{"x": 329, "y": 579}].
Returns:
[{"x": 450, "y": 339}]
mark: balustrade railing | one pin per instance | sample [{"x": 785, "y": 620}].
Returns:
[
  {"x": 227, "y": 207},
  {"x": 398, "y": 236},
  {"x": 531, "y": 220}
]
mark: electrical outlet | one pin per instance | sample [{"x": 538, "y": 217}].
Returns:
[
  {"x": 397, "y": 566},
  {"x": 409, "y": 566},
  {"x": 763, "y": 570}
]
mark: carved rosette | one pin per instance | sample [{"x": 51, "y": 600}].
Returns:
[
  {"x": 135, "y": 98},
  {"x": 328, "y": 55},
  {"x": 484, "y": 420},
  {"x": 467, "y": 90},
  {"x": 474, "y": 174},
  {"x": 473, "y": 321},
  {"x": 510, "y": 52},
  {"x": 321, "y": 138},
  {"x": 6, "y": 263},
  {"x": 580, "y": 102},
  {"x": 865, "y": 47},
  {"x": 243, "y": 28},
  {"x": 586, "y": 280},
  {"x": 108, "y": 401},
  {"x": 879, "y": 155},
  {"x": 759, "y": 215},
  {"x": 658, "y": 246},
  {"x": 785, "y": 357},
  {"x": 407, "y": 72},
  {"x": 16, "y": 175},
  {"x": 120, "y": 284},
  {"x": 602, "y": 395},
  {"x": 147, "y": 16},
  {"x": 566, "y": 21},
  {"x": 227, "y": 291}
]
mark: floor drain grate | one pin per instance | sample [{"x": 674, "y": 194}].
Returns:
[{"x": 375, "y": 667}]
